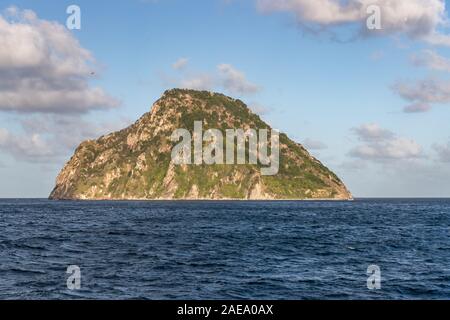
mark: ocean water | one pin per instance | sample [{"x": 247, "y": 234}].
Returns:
[{"x": 225, "y": 250}]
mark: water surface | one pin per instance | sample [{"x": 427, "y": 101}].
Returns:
[{"x": 225, "y": 250}]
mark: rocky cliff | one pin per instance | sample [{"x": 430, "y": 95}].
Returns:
[{"x": 136, "y": 162}]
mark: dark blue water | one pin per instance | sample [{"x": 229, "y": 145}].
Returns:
[{"x": 225, "y": 250}]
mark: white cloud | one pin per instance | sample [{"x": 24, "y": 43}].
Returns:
[
  {"x": 417, "y": 107},
  {"x": 43, "y": 68},
  {"x": 235, "y": 81},
  {"x": 319, "y": 11},
  {"x": 418, "y": 19},
  {"x": 398, "y": 148},
  {"x": 180, "y": 63},
  {"x": 225, "y": 77},
  {"x": 372, "y": 132},
  {"x": 198, "y": 82},
  {"x": 382, "y": 144},
  {"x": 432, "y": 60},
  {"x": 423, "y": 93},
  {"x": 21, "y": 146}
]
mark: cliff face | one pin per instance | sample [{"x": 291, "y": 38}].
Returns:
[{"x": 136, "y": 162}]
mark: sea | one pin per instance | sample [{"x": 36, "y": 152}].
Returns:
[{"x": 363, "y": 249}]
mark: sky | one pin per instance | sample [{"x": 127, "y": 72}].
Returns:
[{"x": 373, "y": 104}]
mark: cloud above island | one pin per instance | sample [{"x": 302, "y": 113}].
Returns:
[
  {"x": 225, "y": 77},
  {"x": 44, "y": 69},
  {"x": 235, "y": 81}
]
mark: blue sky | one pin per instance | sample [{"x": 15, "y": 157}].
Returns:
[{"x": 340, "y": 91}]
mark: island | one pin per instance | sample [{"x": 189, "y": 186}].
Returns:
[{"x": 137, "y": 163}]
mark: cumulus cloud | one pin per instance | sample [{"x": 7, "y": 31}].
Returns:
[
  {"x": 21, "y": 146},
  {"x": 202, "y": 81},
  {"x": 398, "y": 148},
  {"x": 320, "y": 11},
  {"x": 372, "y": 132},
  {"x": 417, "y": 108},
  {"x": 234, "y": 80},
  {"x": 432, "y": 60},
  {"x": 418, "y": 19},
  {"x": 382, "y": 144},
  {"x": 225, "y": 77},
  {"x": 43, "y": 68},
  {"x": 423, "y": 93}
]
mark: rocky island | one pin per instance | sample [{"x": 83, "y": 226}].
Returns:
[{"x": 136, "y": 163}]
